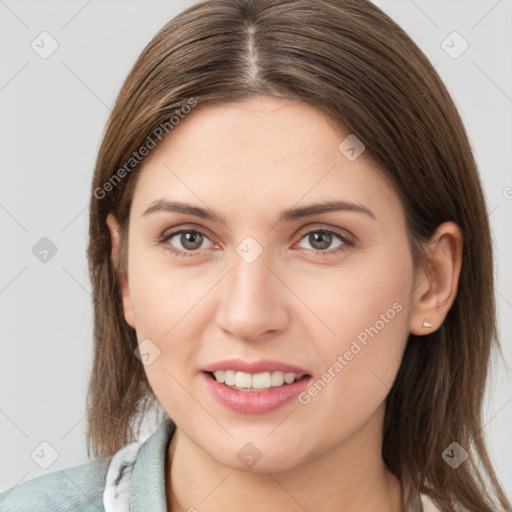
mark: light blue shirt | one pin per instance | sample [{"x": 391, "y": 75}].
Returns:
[{"x": 81, "y": 488}]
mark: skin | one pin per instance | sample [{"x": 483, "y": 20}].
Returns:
[{"x": 248, "y": 161}]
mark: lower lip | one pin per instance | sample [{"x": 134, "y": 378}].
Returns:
[{"x": 255, "y": 402}]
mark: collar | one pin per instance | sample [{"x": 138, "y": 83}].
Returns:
[{"x": 135, "y": 480}]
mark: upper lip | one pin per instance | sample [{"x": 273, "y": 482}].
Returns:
[{"x": 261, "y": 366}]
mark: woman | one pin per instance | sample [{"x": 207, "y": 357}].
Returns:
[{"x": 291, "y": 256}]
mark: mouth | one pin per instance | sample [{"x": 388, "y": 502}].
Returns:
[
  {"x": 258, "y": 393},
  {"x": 255, "y": 382}
]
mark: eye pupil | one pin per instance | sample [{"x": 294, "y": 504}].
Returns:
[
  {"x": 189, "y": 240},
  {"x": 320, "y": 240}
]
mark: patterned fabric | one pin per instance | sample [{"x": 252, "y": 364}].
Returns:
[
  {"x": 83, "y": 488},
  {"x": 116, "y": 497}
]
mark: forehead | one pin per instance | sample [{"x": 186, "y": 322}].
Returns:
[{"x": 259, "y": 153}]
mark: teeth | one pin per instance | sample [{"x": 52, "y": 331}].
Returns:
[{"x": 265, "y": 380}]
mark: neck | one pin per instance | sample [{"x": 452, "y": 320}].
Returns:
[{"x": 349, "y": 477}]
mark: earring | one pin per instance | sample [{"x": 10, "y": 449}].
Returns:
[{"x": 426, "y": 324}]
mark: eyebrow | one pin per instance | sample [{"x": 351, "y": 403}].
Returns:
[{"x": 161, "y": 205}]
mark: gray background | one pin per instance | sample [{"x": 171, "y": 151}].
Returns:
[{"x": 53, "y": 112}]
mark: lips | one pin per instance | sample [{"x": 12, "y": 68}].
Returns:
[
  {"x": 260, "y": 366},
  {"x": 254, "y": 402}
]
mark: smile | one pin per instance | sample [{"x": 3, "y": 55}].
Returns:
[{"x": 255, "y": 382}]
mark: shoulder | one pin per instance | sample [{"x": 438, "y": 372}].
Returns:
[{"x": 77, "y": 489}]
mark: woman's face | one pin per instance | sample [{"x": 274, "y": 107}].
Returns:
[{"x": 278, "y": 281}]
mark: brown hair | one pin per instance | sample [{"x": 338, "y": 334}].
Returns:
[{"x": 347, "y": 58}]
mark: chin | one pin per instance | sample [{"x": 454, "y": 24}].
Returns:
[{"x": 259, "y": 457}]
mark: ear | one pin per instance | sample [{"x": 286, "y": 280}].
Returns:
[
  {"x": 113, "y": 227},
  {"x": 436, "y": 290}
]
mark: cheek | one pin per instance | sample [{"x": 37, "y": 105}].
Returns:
[
  {"x": 368, "y": 290},
  {"x": 163, "y": 296},
  {"x": 164, "y": 302},
  {"x": 367, "y": 307}
]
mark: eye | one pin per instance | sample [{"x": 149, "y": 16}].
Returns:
[
  {"x": 190, "y": 242},
  {"x": 322, "y": 239},
  {"x": 184, "y": 242}
]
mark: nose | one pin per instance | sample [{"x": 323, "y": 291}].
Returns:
[{"x": 253, "y": 300}]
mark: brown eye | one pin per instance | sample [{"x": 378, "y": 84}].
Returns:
[
  {"x": 191, "y": 240},
  {"x": 321, "y": 241},
  {"x": 185, "y": 242}
]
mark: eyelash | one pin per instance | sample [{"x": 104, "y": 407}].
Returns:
[{"x": 347, "y": 242}]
